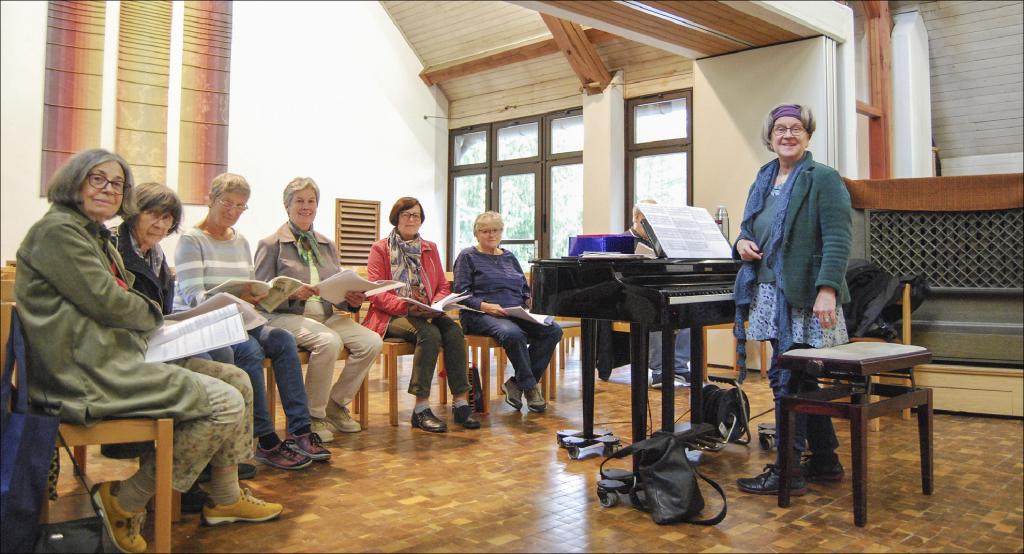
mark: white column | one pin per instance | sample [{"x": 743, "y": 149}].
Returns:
[
  {"x": 911, "y": 98},
  {"x": 604, "y": 185},
  {"x": 177, "y": 53}
]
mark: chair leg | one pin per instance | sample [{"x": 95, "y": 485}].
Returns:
[
  {"x": 485, "y": 379},
  {"x": 362, "y": 401},
  {"x": 552, "y": 377},
  {"x": 502, "y": 361},
  {"x": 271, "y": 395},
  {"x": 391, "y": 370},
  {"x": 162, "y": 500},
  {"x": 785, "y": 447},
  {"x": 442, "y": 380},
  {"x": 764, "y": 359},
  {"x": 859, "y": 449},
  {"x": 81, "y": 457},
  {"x": 924, "y": 431}
]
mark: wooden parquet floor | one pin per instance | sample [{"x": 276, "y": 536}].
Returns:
[{"x": 508, "y": 488}]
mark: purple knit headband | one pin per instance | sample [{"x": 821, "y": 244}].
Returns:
[{"x": 786, "y": 110}]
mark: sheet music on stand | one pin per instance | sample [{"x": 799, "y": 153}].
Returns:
[{"x": 684, "y": 232}]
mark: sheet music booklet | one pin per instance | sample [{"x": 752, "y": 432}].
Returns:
[{"x": 684, "y": 232}]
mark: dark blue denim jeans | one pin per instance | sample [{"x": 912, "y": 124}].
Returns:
[
  {"x": 682, "y": 352},
  {"x": 529, "y": 345},
  {"x": 278, "y": 345},
  {"x": 812, "y": 431}
]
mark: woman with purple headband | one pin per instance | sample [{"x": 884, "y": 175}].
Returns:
[{"x": 794, "y": 240}]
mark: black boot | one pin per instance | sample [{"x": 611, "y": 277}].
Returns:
[
  {"x": 464, "y": 416},
  {"x": 768, "y": 482},
  {"x": 822, "y": 467}
]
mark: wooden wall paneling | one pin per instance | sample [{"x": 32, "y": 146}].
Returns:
[
  {"x": 976, "y": 64},
  {"x": 143, "y": 72},
  {"x": 205, "y": 93},
  {"x": 357, "y": 227},
  {"x": 73, "y": 86}
]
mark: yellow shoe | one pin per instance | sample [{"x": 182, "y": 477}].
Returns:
[
  {"x": 248, "y": 508},
  {"x": 125, "y": 528}
]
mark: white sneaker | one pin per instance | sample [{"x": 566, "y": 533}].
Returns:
[
  {"x": 323, "y": 428},
  {"x": 340, "y": 419}
]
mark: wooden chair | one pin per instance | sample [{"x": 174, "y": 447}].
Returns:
[
  {"x": 359, "y": 403},
  {"x": 166, "y": 504},
  {"x": 763, "y": 357},
  {"x": 393, "y": 348}
]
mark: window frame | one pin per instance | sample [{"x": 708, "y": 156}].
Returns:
[
  {"x": 668, "y": 146},
  {"x": 540, "y": 165}
]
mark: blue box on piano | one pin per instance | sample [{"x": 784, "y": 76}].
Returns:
[{"x": 625, "y": 244}]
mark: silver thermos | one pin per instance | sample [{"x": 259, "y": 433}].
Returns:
[{"x": 722, "y": 219}]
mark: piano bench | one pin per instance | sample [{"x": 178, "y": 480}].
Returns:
[{"x": 855, "y": 363}]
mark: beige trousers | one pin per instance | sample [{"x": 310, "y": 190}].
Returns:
[{"x": 324, "y": 337}]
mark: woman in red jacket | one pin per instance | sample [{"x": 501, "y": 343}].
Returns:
[{"x": 404, "y": 256}]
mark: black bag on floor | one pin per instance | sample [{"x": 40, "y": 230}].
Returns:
[
  {"x": 666, "y": 484},
  {"x": 729, "y": 411}
]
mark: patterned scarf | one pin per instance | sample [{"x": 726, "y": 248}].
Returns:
[
  {"x": 407, "y": 265},
  {"x": 305, "y": 242},
  {"x": 746, "y": 278}
]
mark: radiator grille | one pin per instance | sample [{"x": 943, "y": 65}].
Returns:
[{"x": 982, "y": 249}]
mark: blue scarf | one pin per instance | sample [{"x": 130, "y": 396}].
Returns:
[{"x": 771, "y": 254}]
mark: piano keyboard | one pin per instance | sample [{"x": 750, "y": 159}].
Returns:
[{"x": 693, "y": 296}]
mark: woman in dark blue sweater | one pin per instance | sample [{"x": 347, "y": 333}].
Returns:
[{"x": 495, "y": 281}]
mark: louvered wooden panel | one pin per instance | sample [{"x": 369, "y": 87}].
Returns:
[{"x": 357, "y": 226}]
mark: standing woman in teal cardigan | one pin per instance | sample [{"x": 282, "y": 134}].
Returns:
[{"x": 795, "y": 241}]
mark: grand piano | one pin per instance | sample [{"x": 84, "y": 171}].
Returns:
[{"x": 652, "y": 295}]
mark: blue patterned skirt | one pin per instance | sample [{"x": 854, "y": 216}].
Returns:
[{"x": 806, "y": 328}]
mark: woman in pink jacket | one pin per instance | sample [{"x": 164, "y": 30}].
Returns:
[{"x": 404, "y": 256}]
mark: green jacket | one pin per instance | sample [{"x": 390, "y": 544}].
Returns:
[
  {"x": 87, "y": 335},
  {"x": 817, "y": 236}
]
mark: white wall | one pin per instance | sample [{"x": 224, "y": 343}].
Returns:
[
  {"x": 732, "y": 94},
  {"x": 911, "y": 104},
  {"x": 325, "y": 90},
  {"x": 22, "y": 57}
]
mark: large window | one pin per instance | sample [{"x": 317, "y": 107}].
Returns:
[
  {"x": 530, "y": 170},
  {"x": 659, "y": 161}
]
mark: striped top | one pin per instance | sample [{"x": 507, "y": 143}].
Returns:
[{"x": 203, "y": 262}]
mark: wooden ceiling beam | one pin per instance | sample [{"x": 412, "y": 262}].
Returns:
[
  {"x": 580, "y": 53},
  {"x": 480, "y": 63},
  {"x": 725, "y": 20},
  {"x": 638, "y": 25}
]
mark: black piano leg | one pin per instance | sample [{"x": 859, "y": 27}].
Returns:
[
  {"x": 668, "y": 378},
  {"x": 588, "y": 361},
  {"x": 697, "y": 372},
  {"x": 638, "y": 342}
]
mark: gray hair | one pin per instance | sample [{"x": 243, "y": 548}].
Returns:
[
  {"x": 156, "y": 198},
  {"x": 300, "y": 184},
  {"x": 487, "y": 217},
  {"x": 636, "y": 209},
  {"x": 806, "y": 119},
  {"x": 65, "y": 186},
  {"x": 226, "y": 183}
]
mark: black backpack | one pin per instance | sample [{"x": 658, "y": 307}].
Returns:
[{"x": 728, "y": 410}]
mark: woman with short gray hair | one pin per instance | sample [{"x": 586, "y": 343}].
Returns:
[
  {"x": 496, "y": 281},
  {"x": 296, "y": 250}
]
